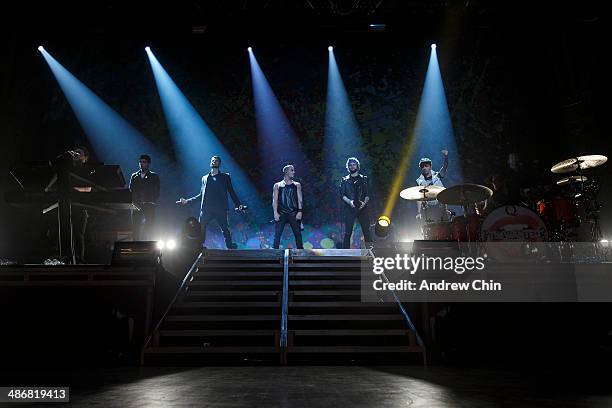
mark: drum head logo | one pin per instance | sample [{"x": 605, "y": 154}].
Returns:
[{"x": 507, "y": 231}]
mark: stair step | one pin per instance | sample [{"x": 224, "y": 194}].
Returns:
[
  {"x": 235, "y": 283},
  {"x": 355, "y": 349},
  {"x": 365, "y": 317},
  {"x": 328, "y": 265},
  {"x": 325, "y": 292},
  {"x": 360, "y": 332},
  {"x": 229, "y": 274},
  {"x": 239, "y": 265},
  {"x": 189, "y": 305},
  {"x": 199, "y": 333},
  {"x": 324, "y": 282},
  {"x": 340, "y": 304},
  {"x": 210, "y": 350},
  {"x": 325, "y": 273},
  {"x": 230, "y": 293},
  {"x": 220, "y": 318}
]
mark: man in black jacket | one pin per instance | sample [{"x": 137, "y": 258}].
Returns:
[
  {"x": 354, "y": 192},
  {"x": 213, "y": 200},
  {"x": 144, "y": 185}
]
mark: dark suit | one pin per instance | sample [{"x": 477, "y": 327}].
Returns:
[
  {"x": 213, "y": 203},
  {"x": 145, "y": 194}
]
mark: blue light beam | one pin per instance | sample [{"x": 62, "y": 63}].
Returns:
[
  {"x": 278, "y": 144},
  {"x": 433, "y": 130},
  {"x": 196, "y": 143},
  {"x": 342, "y": 134},
  {"x": 114, "y": 140}
]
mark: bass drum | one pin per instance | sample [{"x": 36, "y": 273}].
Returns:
[{"x": 512, "y": 232}]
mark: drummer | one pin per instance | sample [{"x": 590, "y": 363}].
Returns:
[{"x": 432, "y": 211}]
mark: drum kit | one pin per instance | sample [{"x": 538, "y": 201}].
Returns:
[{"x": 555, "y": 213}]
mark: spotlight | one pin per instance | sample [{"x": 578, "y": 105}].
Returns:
[
  {"x": 383, "y": 226},
  {"x": 433, "y": 46},
  {"x": 250, "y": 49},
  {"x": 171, "y": 244},
  {"x": 161, "y": 244},
  {"x": 41, "y": 48},
  {"x": 147, "y": 48},
  {"x": 604, "y": 242},
  {"x": 330, "y": 48}
]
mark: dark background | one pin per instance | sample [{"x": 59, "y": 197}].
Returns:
[{"x": 520, "y": 78}]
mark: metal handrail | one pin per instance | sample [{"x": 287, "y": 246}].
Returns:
[
  {"x": 285, "y": 302},
  {"x": 176, "y": 295},
  {"x": 406, "y": 317}
]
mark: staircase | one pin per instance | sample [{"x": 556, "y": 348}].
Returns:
[
  {"x": 327, "y": 321},
  {"x": 228, "y": 312},
  {"x": 274, "y": 306}
]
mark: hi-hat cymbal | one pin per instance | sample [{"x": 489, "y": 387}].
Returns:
[
  {"x": 464, "y": 194},
  {"x": 580, "y": 162},
  {"x": 571, "y": 180},
  {"x": 421, "y": 193}
]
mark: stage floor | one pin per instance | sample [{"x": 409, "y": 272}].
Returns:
[{"x": 324, "y": 386}]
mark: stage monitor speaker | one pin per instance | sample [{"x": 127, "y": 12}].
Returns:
[{"x": 136, "y": 253}]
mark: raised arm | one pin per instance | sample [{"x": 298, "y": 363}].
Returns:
[{"x": 444, "y": 169}]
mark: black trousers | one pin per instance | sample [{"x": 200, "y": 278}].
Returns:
[
  {"x": 349, "y": 221},
  {"x": 80, "y": 217},
  {"x": 222, "y": 221},
  {"x": 143, "y": 222},
  {"x": 295, "y": 227}
]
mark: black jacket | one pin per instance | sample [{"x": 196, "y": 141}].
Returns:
[
  {"x": 229, "y": 188},
  {"x": 354, "y": 188},
  {"x": 144, "y": 190}
]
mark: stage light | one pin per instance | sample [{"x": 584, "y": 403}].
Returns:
[
  {"x": 41, "y": 48},
  {"x": 194, "y": 141},
  {"x": 377, "y": 27},
  {"x": 161, "y": 244},
  {"x": 250, "y": 49},
  {"x": 383, "y": 226},
  {"x": 147, "y": 49},
  {"x": 604, "y": 242},
  {"x": 330, "y": 48},
  {"x": 342, "y": 136},
  {"x": 278, "y": 142},
  {"x": 171, "y": 244},
  {"x": 432, "y": 133}
]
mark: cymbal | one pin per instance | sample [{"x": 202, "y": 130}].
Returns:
[
  {"x": 580, "y": 162},
  {"x": 571, "y": 180},
  {"x": 463, "y": 194},
  {"x": 421, "y": 193}
]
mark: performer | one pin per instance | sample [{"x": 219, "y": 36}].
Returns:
[
  {"x": 433, "y": 210},
  {"x": 213, "y": 204},
  {"x": 144, "y": 185},
  {"x": 287, "y": 206},
  {"x": 354, "y": 192}
]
